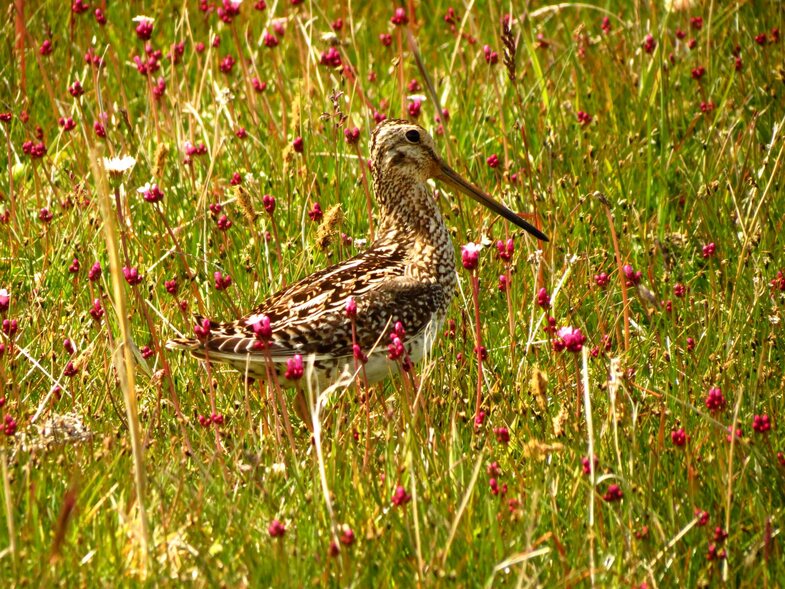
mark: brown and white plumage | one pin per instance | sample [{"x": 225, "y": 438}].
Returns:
[{"x": 407, "y": 275}]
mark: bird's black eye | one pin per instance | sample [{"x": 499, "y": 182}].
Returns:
[{"x": 413, "y": 136}]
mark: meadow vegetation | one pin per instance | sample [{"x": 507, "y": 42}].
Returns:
[{"x": 170, "y": 159}]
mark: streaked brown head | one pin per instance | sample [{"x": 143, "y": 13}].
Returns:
[{"x": 402, "y": 148}]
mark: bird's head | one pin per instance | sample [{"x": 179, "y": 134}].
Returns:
[{"x": 400, "y": 148}]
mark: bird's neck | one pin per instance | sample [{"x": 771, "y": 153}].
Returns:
[
  {"x": 406, "y": 204},
  {"x": 410, "y": 218}
]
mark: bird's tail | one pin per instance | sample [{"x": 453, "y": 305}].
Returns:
[
  {"x": 186, "y": 343},
  {"x": 183, "y": 343}
]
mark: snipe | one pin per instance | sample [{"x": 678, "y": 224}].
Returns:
[{"x": 407, "y": 276}]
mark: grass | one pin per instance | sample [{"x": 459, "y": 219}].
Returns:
[{"x": 668, "y": 161}]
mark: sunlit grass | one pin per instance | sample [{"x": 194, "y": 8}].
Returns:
[{"x": 655, "y": 166}]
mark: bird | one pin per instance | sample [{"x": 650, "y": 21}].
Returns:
[{"x": 375, "y": 312}]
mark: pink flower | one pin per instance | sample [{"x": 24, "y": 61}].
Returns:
[
  {"x": 95, "y": 272},
  {"x": 602, "y": 279},
  {"x": 276, "y": 529},
  {"x": 543, "y": 298},
  {"x": 262, "y": 329},
  {"x": 679, "y": 437},
  {"x": 330, "y": 58},
  {"x": 144, "y": 29},
  {"x": 35, "y": 151},
  {"x": 45, "y": 215},
  {"x": 151, "y": 193},
  {"x": 347, "y": 536},
  {"x": 97, "y": 311},
  {"x": 132, "y": 275},
  {"x": 70, "y": 370},
  {"x": 778, "y": 282},
  {"x": 698, "y": 72},
  {"x": 9, "y": 426},
  {"x": 351, "y": 308},
  {"x": 709, "y": 249},
  {"x": 702, "y": 517},
  {"x": 492, "y": 161},
  {"x": 294, "y": 368},
  {"x": 298, "y": 144},
  {"x": 358, "y": 354},
  {"x": 226, "y": 65},
  {"x": 159, "y": 88},
  {"x": 679, "y": 290},
  {"x": 715, "y": 401},
  {"x": 414, "y": 108},
  {"x": 222, "y": 281},
  {"x": 79, "y": 6},
  {"x": 761, "y": 423},
  {"x": 505, "y": 249},
  {"x": 571, "y": 338},
  {"x": 502, "y": 435},
  {"x": 316, "y": 213},
  {"x": 10, "y": 327},
  {"x": 395, "y": 349},
  {"x": 503, "y": 282},
  {"x": 223, "y": 222},
  {"x": 76, "y": 89},
  {"x": 470, "y": 255},
  {"x": 399, "y": 17},
  {"x": 269, "y": 40},
  {"x": 633, "y": 277},
  {"x": 228, "y": 11},
  {"x": 613, "y": 493},
  {"x": 352, "y": 136},
  {"x": 385, "y": 39},
  {"x": 203, "y": 328},
  {"x": 400, "y": 496},
  {"x": 268, "y": 200},
  {"x": 491, "y": 56},
  {"x": 586, "y": 464},
  {"x": 649, "y": 44},
  {"x": 5, "y": 300},
  {"x": 46, "y": 47},
  {"x": 713, "y": 553},
  {"x": 584, "y": 118}
]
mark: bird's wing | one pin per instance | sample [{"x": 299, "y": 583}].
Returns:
[{"x": 309, "y": 317}]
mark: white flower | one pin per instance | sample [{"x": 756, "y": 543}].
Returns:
[
  {"x": 146, "y": 188},
  {"x": 565, "y": 332},
  {"x": 118, "y": 165}
]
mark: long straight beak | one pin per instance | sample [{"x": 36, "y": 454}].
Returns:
[{"x": 453, "y": 179}]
